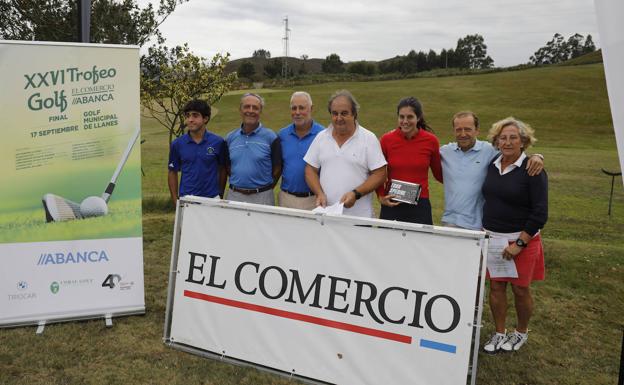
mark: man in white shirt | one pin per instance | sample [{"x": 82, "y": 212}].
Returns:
[{"x": 344, "y": 162}]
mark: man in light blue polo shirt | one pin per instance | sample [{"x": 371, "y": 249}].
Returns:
[
  {"x": 295, "y": 140},
  {"x": 255, "y": 162},
  {"x": 200, "y": 156},
  {"x": 464, "y": 167}
]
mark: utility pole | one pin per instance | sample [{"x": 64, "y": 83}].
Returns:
[
  {"x": 84, "y": 21},
  {"x": 285, "y": 40}
]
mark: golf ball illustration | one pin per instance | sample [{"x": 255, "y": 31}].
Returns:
[{"x": 93, "y": 207}]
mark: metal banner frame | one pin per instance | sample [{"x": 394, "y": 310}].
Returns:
[{"x": 190, "y": 201}]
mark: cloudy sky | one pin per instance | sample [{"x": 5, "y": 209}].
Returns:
[{"x": 375, "y": 29}]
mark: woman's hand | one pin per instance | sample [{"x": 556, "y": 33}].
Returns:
[
  {"x": 511, "y": 251},
  {"x": 387, "y": 200}
]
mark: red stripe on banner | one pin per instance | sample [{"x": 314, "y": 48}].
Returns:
[{"x": 300, "y": 317}]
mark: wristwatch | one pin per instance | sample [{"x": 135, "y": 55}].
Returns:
[
  {"x": 521, "y": 243},
  {"x": 358, "y": 194}
]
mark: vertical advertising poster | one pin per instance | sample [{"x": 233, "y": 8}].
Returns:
[{"x": 70, "y": 213}]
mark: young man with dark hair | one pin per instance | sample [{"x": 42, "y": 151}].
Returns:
[{"x": 200, "y": 156}]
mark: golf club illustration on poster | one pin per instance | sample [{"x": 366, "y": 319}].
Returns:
[{"x": 59, "y": 209}]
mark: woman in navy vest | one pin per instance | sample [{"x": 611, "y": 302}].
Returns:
[{"x": 516, "y": 208}]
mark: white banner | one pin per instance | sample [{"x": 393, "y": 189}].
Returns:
[
  {"x": 70, "y": 279},
  {"x": 70, "y": 214},
  {"x": 321, "y": 298},
  {"x": 609, "y": 14}
]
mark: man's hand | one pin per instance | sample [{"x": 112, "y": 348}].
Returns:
[
  {"x": 321, "y": 200},
  {"x": 535, "y": 165},
  {"x": 348, "y": 199},
  {"x": 387, "y": 200}
]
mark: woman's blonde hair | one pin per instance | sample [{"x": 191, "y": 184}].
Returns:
[{"x": 526, "y": 132}]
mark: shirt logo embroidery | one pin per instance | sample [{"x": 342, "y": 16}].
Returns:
[{"x": 210, "y": 150}]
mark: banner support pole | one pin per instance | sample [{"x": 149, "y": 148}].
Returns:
[{"x": 40, "y": 327}]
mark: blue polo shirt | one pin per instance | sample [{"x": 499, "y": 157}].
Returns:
[
  {"x": 294, "y": 149},
  {"x": 199, "y": 163},
  {"x": 252, "y": 157},
  {"x": 464, "y": 174}
]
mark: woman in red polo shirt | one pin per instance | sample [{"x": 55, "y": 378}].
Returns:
[{"x": 410, "y": 149}]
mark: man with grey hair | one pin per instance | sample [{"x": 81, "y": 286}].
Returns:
[
  {"x": 344, "y": 162},
  {"x": 295, "y": 140},
  {"x": 255, "y": 156}
]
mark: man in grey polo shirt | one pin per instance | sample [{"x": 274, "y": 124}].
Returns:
[{"x": 464, "y": 167}]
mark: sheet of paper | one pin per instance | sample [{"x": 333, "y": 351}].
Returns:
[
  {"x": 335, "y": 209},
  {"x": 498, "y": 266}
]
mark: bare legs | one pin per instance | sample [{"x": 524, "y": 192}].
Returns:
[{"x": 498, "y": 305}]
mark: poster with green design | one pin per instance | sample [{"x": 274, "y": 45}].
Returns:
[{"x": 70, "y": 142}]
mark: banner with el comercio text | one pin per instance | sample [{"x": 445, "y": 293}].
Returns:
[
  {"x": 70, "y": 124},
  {"x": 324, "y": 299}
]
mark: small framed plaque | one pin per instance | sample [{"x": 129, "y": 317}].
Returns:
[{"x": 405, "y": 192}]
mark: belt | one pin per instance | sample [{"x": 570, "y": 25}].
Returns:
[
  {"x": 299, "y": 194},
  {"x": 249, "y": 191}
]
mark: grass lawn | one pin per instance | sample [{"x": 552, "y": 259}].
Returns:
[{"x": 576, "y": 330}]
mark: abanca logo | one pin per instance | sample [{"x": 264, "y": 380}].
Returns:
[{"x": 91, "y": 256}]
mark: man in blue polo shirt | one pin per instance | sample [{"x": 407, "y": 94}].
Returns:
[
  {"x": 464, "y": 167},
  {"x": 296, "y": 139},
  {"x": 199, "y": 154},
  {"x": 255, "y": 156}
]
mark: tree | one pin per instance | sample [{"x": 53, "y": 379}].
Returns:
[
  {"x": 558, "y": 49},
  {"x": 261, "y": 54},
  {"x": 246, "y": 69},
  {"x": 589, "y": 45},
  {"x": 112, "y": 22},
  {"x": 362, "y": 68},
  {"x": 433, "y": 60},
  {"x": 273, "y": 68},
  {"x": 332, "y": 64},
  {"x": 409, "y": 63},
  {"x": 171, "y": 77},
  {"x": 302, "y": 69},
  {"x": 574, "y": 45},
  {"x": 471, "y": 52}
]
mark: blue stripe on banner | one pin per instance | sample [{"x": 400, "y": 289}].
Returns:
[{"x": 438, "y": 346}]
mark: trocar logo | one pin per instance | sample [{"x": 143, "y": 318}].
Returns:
[
  {"x": 21, "y": 295},
  {"x": 70, "y": 257}
]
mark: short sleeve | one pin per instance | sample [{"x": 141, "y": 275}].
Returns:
[
  {"x": 374, "y": 156},
  {"x": 174, "y": 157},
  {"x": 224, "y": 154},
  {"x": 312, "y": 155}
]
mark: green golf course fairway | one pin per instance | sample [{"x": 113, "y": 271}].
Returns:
[{"x": 576, "y": 330}]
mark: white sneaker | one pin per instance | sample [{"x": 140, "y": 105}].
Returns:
[
  {"x": 494, "y": 344},
  {"x": 514, "y": 341}
]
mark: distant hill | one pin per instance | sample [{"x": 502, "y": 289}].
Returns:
[
  {"x": 312, "y": 66},
  {"x": 590, "y": 58}
]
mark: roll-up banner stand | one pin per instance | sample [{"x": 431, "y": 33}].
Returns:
[
  {"x": 70, "y": 214},
  {"x": 325, "y": 299}
]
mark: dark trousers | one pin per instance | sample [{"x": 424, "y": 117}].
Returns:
[{"x": 420, "y": 213}]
